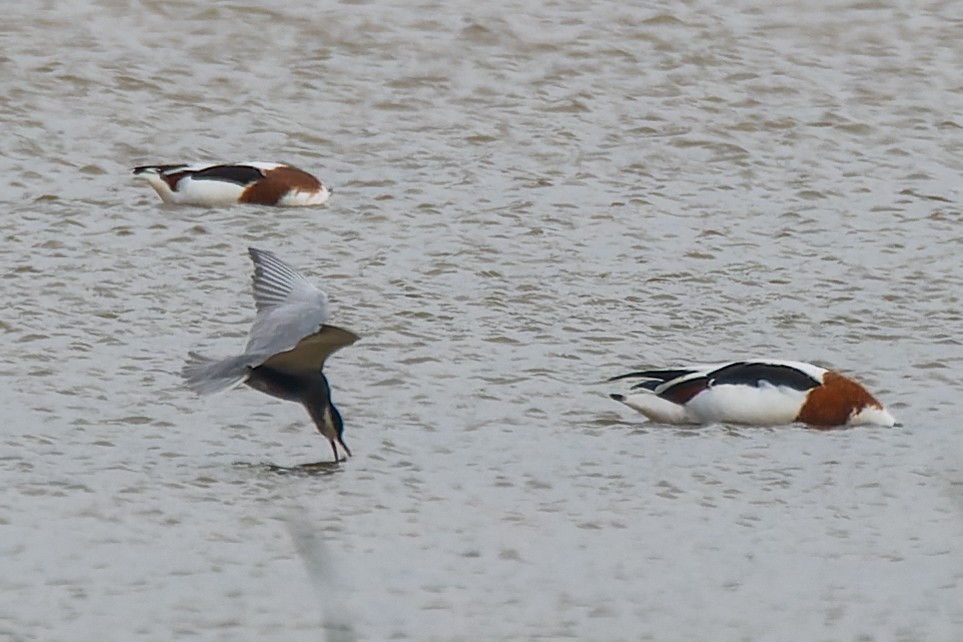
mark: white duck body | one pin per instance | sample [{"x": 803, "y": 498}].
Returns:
[
  {"x": 256, "y": 182},
  {"x": 756, "y": 392}
]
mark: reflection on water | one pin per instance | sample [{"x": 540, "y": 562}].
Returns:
[
  {"x": 316, "y": 469},
  {"x": 337, "y": 619}
]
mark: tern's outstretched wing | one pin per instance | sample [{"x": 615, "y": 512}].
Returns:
[
  {"x": 289, "y": 307},
  {"x": 309, "y": 354},
  {"x": 276, "y": 284}
]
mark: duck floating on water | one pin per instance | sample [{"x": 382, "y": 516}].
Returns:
[
  {"x": 256, "y": 183},
  {"x": 286, "y": 348},
  {"x": 755, "y": 392}
]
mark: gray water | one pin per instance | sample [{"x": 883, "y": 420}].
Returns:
[{"x": 530, "y": 197}]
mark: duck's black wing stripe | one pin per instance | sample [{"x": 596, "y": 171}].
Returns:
[
  {"x": 660, "y": 376},
  {"x": 240, "y": 174},
  {"x": 751, "y": 374}
]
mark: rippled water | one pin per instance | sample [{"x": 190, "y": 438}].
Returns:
[{"x": 530, "y": 197}]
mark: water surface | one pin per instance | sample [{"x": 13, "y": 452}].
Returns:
[{"x": 530, "y": 197}]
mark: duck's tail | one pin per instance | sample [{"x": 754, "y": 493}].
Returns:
[
  {"x": 656, "y": 408},
  {"x": 205, "y": 375}
]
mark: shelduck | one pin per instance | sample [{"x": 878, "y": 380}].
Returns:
[
  {"x": 757, "y": 392},
  {"x": 286, "y": 348},
  {"x": 256, "y": 183}
]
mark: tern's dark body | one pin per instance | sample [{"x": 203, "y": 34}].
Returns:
[{"x": 310, "y": 390}]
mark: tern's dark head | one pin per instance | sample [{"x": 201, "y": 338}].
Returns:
[
  {"x": 338, "y": 423},
  {"x": 317, "y": 399}
]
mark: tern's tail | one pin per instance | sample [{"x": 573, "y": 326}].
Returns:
[{"x": 205, "y": 376}]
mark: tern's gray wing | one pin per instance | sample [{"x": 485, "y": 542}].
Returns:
[
  {"x": 289, "y": 307},
  {"x": 309, "y": 354},
  {"x": 276, "y": 283}
]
